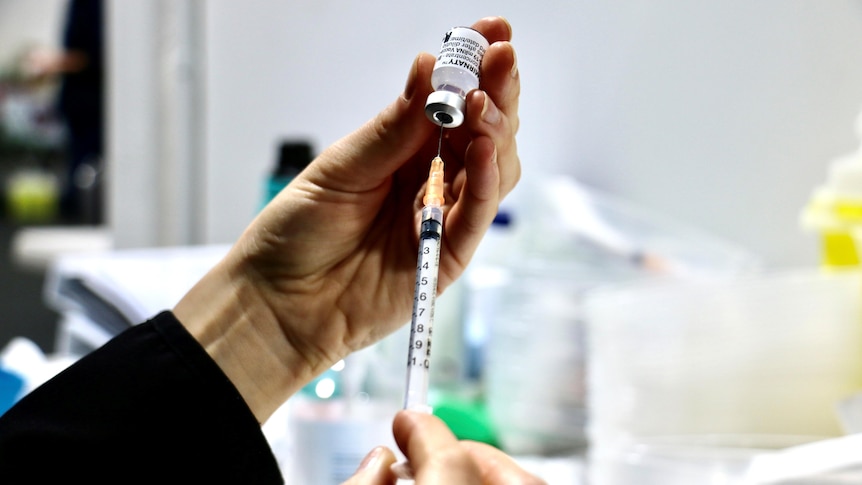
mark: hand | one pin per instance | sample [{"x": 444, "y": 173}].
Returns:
[
  {"x": 328, "y": 267},
  {"x": 436, "y": 456},
  {"x": 41, "y": 63}
]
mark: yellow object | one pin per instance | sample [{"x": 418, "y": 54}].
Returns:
[
  {"x": 434, "y": 190},
  {"x": 838, "y": 219},
  {"x": 32, "y": 196},
  {"x": 835, "y": 210},
  {"x": 838, "y": 249}
]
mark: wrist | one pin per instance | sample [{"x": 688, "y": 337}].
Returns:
[{"x": 223, "y": 312}]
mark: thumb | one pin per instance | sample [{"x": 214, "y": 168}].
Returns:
[
  {"x": 378, "y": 148},
  {"x": 374, "y": 469}
]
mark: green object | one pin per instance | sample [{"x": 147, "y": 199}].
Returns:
[{"x": 467, "y": 418}]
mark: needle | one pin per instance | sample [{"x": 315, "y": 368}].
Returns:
[{"x": 440, "y": 142}]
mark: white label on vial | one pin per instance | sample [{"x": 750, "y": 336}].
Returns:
[{"x": 462, "y": 47}]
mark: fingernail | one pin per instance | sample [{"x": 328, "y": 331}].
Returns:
[
  {"x": 402, "y": 470},
  {"x": 508, "y": 25},
  {"x": 514, "y": 71},
  {"x": 490, "y": 113},
  {"x": 410, "y": 86},
  {"x": 370, "y": 457}
]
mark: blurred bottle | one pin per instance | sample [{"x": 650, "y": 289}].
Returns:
[
  {"x": 835, "y": 210},
  {"x": 323, "y": 432},
  {"x": 293, "y": 157},
  {"x": 32, "y": 195},
  {"x": 487, "y": 273}
]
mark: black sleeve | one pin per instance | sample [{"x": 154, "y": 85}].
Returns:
[{"x": 150, "y": 406}]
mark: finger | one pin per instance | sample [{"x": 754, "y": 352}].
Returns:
[
  {"x": 494, "y": 29},
  {"x": 501, "y": 78},
  {"x": 434, "y": 453},
  {"x": 493, "y": 123},
  {"x": 501, "y": 81},
  {"x": 375, "y": 151},
  {"x": 499, "y": 71},
  {"x": 374, "y": 469},
  {"x": 498, "y": 468},
  {"x": 419, "y": 435},
  {"x": 477, "y": 205}
]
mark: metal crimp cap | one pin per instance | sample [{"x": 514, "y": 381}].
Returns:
[{"x": 445, "y": 108}]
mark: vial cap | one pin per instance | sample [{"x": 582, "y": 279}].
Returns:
[
  {"x": 445, "y": 108},
  {"x": 293, "y": 157}
]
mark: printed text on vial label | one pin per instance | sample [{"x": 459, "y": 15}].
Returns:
[{"x": 462, "y": 52}]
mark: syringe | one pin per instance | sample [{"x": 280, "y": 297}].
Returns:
[{"x": 425, "y": 291}]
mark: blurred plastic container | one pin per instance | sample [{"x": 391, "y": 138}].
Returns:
[
  {"x": 770, "y": 354},
  {"x": 322, "y": 433},
  {"x": 329, "y": 441},
  {"x": 568, "y": 240},
  {"x": 535, "y": 364},
  {"x": 11, "y": 386}
]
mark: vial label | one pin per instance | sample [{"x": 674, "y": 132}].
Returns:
[
  {"x": 455, "y": 74},
  {"x": 462, "y": 47}
]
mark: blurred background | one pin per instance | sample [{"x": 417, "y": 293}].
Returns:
[{"x": 721, "y": 116}]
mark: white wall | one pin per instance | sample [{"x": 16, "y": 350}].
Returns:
[
  {"x": 303, "y": 68},
  {"x": 156, "y": 117},
  {"x": 720, "y": 114}
]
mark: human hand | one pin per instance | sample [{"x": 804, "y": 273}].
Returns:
[
  {"x": 436, "y": 456},
  {"x": 41, "y": 62},
  {"x": 328, "y": 266}
]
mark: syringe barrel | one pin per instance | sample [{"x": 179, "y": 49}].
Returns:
[
  {"x": 432, "y": 222},
  {"x": 424, "y": 296},
  {"x": 416, "y": 397}
]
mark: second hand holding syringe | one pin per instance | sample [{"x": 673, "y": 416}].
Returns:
[{"x": 425, "y": 291}]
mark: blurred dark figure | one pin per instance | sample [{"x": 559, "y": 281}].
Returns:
[
  {"x": 80, "y": 67},
  {"x": 81, "y": 103}
]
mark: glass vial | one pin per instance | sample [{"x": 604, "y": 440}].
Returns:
[{"x": 455, "y": 74}]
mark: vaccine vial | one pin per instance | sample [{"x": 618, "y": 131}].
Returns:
[{"x": 455, "y": 74}]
